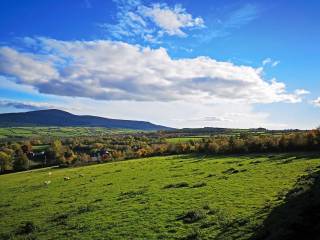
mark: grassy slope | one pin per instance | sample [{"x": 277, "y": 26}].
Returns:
[
  {"x": 127, "y": 200},
  {"x": 185, "y": 139},
  {"x": 299, "y": 216},
  {"x": 57, "y": 131}
]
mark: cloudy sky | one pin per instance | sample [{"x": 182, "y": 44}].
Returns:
[{"x": 177, "y": 63}]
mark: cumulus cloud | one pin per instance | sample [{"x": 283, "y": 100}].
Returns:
[
  {"x": 171, "y": 20},
  {"x": 109, "y": 70},
  {"x": 150, "y": 23},
  {"x": 30, "y": 66}
]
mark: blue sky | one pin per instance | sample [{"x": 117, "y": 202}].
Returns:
[{"x": 179, "y": 63}]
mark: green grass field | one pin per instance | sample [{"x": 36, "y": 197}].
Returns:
[
  {"x": 31, "y": 132},
  {"x": 176, "y": 197},
  {"x": 185, "y": 139}
]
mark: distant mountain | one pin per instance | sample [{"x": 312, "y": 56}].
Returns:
[{"x": 54, "y": 117}]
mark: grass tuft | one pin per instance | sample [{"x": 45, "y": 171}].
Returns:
[
  {"x": 177, "y": 185},
  {"x": 199, "y": 184},
  {"x": 192, "y": 216},
  {"x": 230, "y": 171},
  {"x": 27, "y": 228},
  {"x": 131, "y": 194}
]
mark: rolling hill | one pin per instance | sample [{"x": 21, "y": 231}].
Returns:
[{"x": 54, "y": 117}]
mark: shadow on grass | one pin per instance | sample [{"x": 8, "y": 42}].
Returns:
[
  {"x": 298, "y": 217},
  {"x": 208, "y": 157},
  {"x": 276, "y": 157},
  {"x": 294, "y": 156}
]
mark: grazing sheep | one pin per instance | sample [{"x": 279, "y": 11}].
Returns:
[
  {"x": 47, "y": 182},
  {"x": 81, "y": 175},
  {"x": 49, "y": 173},
  {"x": 66, "y": 178}
]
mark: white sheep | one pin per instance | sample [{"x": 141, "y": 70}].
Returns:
[
  {"x": 49, "y": 173},
  {"x": 47, "y": 182},
  {"x": 66, "y": 178}
]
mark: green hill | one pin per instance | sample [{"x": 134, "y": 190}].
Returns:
[
  {"x": 55, "y": 117},
  {"x": 176, "y": 197}
]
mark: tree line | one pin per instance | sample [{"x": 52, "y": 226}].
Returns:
[{"x": 19, "y": 156}]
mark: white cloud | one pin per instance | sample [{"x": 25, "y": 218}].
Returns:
[
  {"x": 275, "y": 63},
  {"x": 150, "y": 23},
  {"x": 215, "y": 119},
  {"x": 171, "y": 20},
  {"x": 207, "y": 119},
  {"x": 301, "y": 92},
  {"x": 316, "y": 102},
  {"x": 266, "y": 61},
  {"x": 108, "y": 70},
  {"x": 10, "y": 84},
  {"x": 271, "y": 62},
  {"x": 32, "y": 67}
]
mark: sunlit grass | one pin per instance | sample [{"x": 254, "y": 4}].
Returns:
[
  {"x": 28, "y": 132},
  {"x": 185, "y": 139},
  {"x": 153, "y": 198}
]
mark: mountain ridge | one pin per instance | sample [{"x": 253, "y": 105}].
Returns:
[{"x": 60, "y": 118}]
